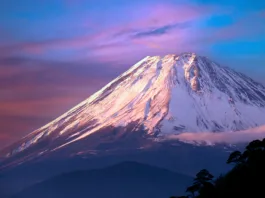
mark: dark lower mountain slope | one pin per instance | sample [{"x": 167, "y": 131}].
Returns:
[
  {"x": 124, "y": 180},
  {"x": 181, "y": 158}
]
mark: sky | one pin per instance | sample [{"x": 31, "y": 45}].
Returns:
[{"x": 55, "y": 53}]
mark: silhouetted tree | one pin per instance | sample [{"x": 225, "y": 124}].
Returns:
[
  {"x": 235, "y": 157},
  {"x": 201, "y": 182},
  {"x": 246, "y": 179},
  {"x": 192, "y": 190}
]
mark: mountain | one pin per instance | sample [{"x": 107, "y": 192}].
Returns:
[
  {"x": 127, "y": 179},
  {"x": 157, "y": 96},
  {"x": 134, "y": 117}
]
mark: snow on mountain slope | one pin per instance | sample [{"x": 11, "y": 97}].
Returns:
[{"x": 167, "y": 95}]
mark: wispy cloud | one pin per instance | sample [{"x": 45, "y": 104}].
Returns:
[
  {"x": 224, "y": 137},
  {"x": 157, "y": 20},
  {"x": 161, "y": 30}
]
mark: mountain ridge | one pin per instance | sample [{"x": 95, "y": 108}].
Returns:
[{"x": 126, "y": 179}]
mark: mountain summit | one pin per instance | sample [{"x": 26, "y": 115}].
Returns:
[{"x": 159, "y": 95}]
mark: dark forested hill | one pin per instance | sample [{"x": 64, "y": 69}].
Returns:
[{"x": 124, "y": 180}]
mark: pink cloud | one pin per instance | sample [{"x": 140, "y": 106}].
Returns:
[
  {"x": 134, "y": 48},
  {"x": 223, "y": 137},
  {"x": 156, "y": 16}
]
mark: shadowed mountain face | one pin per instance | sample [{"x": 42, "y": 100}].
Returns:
[{"x": 125, "y": 180}]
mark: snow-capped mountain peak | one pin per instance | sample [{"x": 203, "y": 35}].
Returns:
[{"x": 168, "y": 94}]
